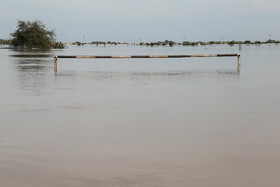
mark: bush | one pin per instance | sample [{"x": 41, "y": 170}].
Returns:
[
  {"x": 32, "y": 35},
  {"x": 258, "y": 42},
  {"x": 232, "y": 42},
  {"x": 4, "y": 42},
  {"x": 247, "y": 42},
  {"x": 58, "y": 45}
]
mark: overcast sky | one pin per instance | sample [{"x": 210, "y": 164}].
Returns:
[{"x": 150, "y": 20}]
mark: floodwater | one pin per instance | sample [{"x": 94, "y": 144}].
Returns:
[{"x": 140, "y": 122}]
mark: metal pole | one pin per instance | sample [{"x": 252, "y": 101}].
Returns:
[
  {"x": 153, "y": 56},
  {"x": 55, "y": 64},
  {"x": 238, "y": 63}
]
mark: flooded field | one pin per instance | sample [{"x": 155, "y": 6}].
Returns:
[{"x": 140, "y": 122}]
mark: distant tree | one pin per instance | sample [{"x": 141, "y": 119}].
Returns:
[
  {"x": 247, "y": 42},
  {"x": 58, "y": 45},
  {"x": 271, "y": 41},
  {"x": 32, "y": 35},
  {"x": 258, "y": 42},
  {"x": 77, "y": 43},
  {"x": 231, "y": 42},
  {"x": 4, "y": 42}
]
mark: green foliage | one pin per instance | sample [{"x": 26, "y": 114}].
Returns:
[
  {"x": 272, "y": 41},
  {"x": 171, "y": 43},
  {"x": 111, "y": 43},
  {"x": 247, "y": 42},
  {"x": 32, "y": 35},
  {"x": 5, "y": 42},
  {"x": 257, "y": 42},
  {"x": 185, "y": 43},
  {"x": 58, "y": 45},
  {"x": 232, "y": 42},
  {"x": 77, "y": 43},
  {"x": 203, "y": 43},
  {"x": 159, "y": 43},
  {"x": 98, "y": 43}
]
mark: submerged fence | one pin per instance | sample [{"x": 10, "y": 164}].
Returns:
[{"x": 152, "y": 56}]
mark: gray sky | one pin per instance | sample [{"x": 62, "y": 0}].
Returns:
[{"x": 150, "y": 20}]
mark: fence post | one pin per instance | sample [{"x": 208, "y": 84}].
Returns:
[
  {"x": 238, "y": 63},
  {"x": 55, "y": 64}
]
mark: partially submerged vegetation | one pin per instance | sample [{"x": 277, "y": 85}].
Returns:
[
  {"x": 170, "y": 43},
  {"x": 97, "y": 43},
  {"x": 58, "y": 45},
  {"x": 188, "y": 43},
  {"x": 34, "y": 35},
  {"x": 5, "y": 42}
]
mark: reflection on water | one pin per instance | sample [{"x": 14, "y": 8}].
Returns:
[
  {"x": 31, "y": 74},
  {"x": 169, "y": 75},
  {"x": 140, "y": 123},
  {"x": 30, "y": 69},
  {"x": 31, "y": 55}
]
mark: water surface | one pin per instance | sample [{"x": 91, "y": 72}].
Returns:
[{"x": 140, "y": 122}]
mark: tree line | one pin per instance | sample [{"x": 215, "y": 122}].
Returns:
[
  {"x": 35, "y": 35},
  {"x": 185, "y": 43}
]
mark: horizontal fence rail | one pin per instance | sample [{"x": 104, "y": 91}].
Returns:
[{"x": 150, "y": 56}]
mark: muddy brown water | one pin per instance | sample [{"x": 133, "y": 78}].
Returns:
[{"x": 140, "y": 122}]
